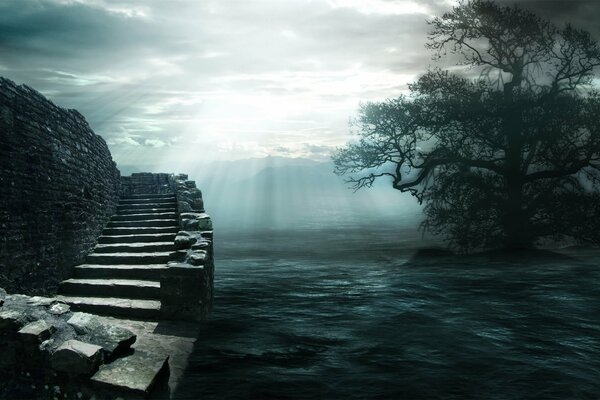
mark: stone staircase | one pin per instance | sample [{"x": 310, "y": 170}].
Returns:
[{"x": 122, "y": 275}]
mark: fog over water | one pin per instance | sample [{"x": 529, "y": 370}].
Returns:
[{"x": 313, "y": 300}]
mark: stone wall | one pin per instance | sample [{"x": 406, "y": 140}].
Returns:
[
  {"x": 187, "y": 285},
  {"x": 58, "y": 184},
  {"x": 146, "y": 182}
]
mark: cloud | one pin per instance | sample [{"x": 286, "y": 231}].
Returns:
[
  {"x": 194, "y": 80},
  {"x": 154, "y": 143}
]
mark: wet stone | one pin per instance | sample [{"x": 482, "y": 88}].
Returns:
[{"x": 77, "y": 358}]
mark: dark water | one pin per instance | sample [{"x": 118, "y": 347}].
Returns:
[{"x": 334, "y": 315}]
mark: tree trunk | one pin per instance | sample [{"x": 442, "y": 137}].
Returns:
[{"x": 515, "y": 221}]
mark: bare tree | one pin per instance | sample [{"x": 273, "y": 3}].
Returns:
[{"x": 502, "y": 159}]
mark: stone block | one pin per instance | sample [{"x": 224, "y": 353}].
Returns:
[
  {"x": 197, "y": 257},
  {"x": 114, "y": 340},
  {"x": 184, "y": 241},
  {"x": 77, "y": 358},
  {"x": 136, "y": 375},
  {"x": 84, "y": 323},
  {"x": 12, "y": 320},
  {"x": 36, "y": 332},
  {"x": 195, "y": 222}
]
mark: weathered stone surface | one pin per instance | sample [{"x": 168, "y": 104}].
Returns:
[
  {"x": 136, "y": 374},
  {"x": 60, "y": 187},
  {"x": 184, "y": 206},
  {"x": 114, "y": 340},
  {"x": 198, "y": 257},
  {"x": 12, "y": 320},
  {"x": 59, "y": 308},
  {"x": 84, "y": 323},
  {"x": 77, "y": 358},
  {"x": 146, "y": 182},
  {"x": 36, "y": 332},
  {"x": 195, "y": 222},
  {"x": 41, "y": 301},
  {"x": 183, "y": 241}
]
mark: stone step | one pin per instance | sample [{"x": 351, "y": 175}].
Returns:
[
  {"x": 129, "y": 258},
  {"x": 145, "y": 230},
  {"x": 129, "y": 288},
  {"x": 119, "y": 271},
  {"x": 144, "y": 223},
  {"x": 146, "y": 206},
  {"x": 129, "y": 211},
  {"x": 148, "y": 196},
  {"x": 144, "y": 216},
  {"x": 132, "y": 377},
  {"x": 166, "y": 200},
  {"x": 139, "y": 238},
  {"x": 130, "y": 308},
  {"x": 139, "y": 247}
]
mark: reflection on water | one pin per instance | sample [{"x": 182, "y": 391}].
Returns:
[{"x": 335, "y": 315}]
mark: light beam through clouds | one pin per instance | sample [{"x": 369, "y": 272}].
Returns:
[{"x": 188, "y": 80}]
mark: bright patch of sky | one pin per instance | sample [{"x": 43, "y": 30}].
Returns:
[{"x": 186, "y": 81}]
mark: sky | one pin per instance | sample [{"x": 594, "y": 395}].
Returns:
[{"x": 176, "y": 81}]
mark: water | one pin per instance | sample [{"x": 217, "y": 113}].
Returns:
[{"x": 335, "y": 315}]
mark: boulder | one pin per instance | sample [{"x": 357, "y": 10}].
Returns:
[{"x": 77, "y": 358}]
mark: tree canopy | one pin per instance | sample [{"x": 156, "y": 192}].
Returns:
[{"x": 505, "y": 152}]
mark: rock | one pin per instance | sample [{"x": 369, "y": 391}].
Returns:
[
  {"x": 197, "y": 257},
  {"x": 36, "y": 332},
  {"x": 40, "y": 301},
  {"x": 84, "y": 323},
  {"x": 12, "y": 320},
  {"x": 184, "y": 206},
  {"x": 136, "y": 374},
  {"x": 201, "y": 245},
  {"x": 77, "y": 358},
  {"x": 184, "y": 241},
  {"x": 113, "y": 339},
  {"x": 3, "y": 294},
  {"x": 59, "y": 308},
  {"x": 195, "y": 222}
]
